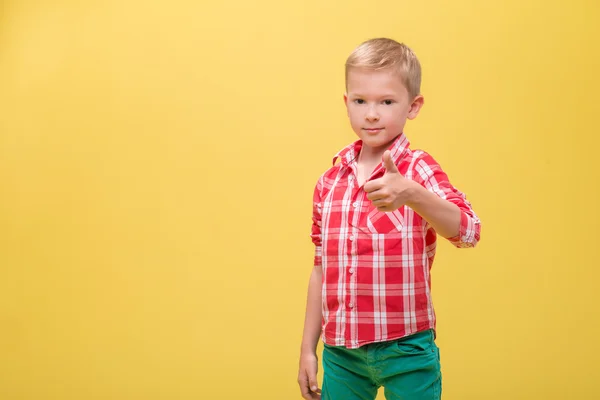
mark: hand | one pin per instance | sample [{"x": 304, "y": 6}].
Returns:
[
  {"x": 392, "y": 190},
  {"x": 307, "y": 377}
]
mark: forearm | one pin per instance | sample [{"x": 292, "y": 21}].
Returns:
[
  {"x": 441, "y": 214},
  {"x": 312, "y": 321}
]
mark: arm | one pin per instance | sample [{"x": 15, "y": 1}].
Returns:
[
  {"x": 307, "y": 371},
  {"x": 444, "y": 207},
  {"x": 313, "y": 318},
  {"x": 441, "y": 214},
  {"x": 430, "y": 195}
]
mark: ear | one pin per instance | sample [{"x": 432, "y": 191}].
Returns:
[
  {"x": 415, "y": 107},
  {"x": 346, "y": 100}
]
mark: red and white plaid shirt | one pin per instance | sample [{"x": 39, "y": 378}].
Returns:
[{"x": 376, "y": 265}]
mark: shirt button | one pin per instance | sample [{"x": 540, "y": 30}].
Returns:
[
  {"x": 355, "y": 204},
  {"x": 351, "y": 270},
  {"x": 351, "y": 237},
  {"x": 351, "y": 305}
]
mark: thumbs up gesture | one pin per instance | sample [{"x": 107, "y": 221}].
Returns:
[{"x": 392, "y": 190}]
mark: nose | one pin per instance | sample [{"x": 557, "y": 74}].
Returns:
[{"x": 372, "y": 115}]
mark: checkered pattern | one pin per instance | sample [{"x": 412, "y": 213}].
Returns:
[{"x": 376, "y": 265}]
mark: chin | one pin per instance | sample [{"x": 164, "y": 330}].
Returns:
[{"x": 377, "y": 143}]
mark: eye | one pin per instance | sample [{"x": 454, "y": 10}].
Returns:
[
  {"x": 359, "y": 101},
  {"x": 388, "y": 102}
]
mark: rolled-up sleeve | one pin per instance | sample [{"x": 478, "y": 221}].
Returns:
[
  {"x": 316, "y": 223},
  {"x": 435, "y": 180}
]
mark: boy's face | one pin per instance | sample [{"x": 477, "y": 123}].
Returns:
[{"x": 378, "y": 106}]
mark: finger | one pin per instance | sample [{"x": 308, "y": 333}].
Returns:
[
  {"x": 304, "y": 389},
  {"x": 381, "y": 205},
  {"x": 381, "y": 202},
  {"x": 373, "y": 185},
  {"x": 376, "y": 195},
  {"x": 312, "y": 380},
  {"x": 388, "y": 163}
]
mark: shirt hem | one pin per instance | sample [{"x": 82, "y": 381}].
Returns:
[{"x": 344, "y": 343}]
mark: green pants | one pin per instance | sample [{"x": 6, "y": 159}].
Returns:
[{"x": 408, "y": 369}]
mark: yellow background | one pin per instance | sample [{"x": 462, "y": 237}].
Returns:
[{"x": 157, "y": 161}]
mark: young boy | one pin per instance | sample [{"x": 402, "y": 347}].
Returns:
[{"x": 376, "y": 217}]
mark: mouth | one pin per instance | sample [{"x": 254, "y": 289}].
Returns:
[{"x": 372, "y": 130}]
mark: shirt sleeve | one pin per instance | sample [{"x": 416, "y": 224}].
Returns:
[
  {"x": 436, "y": 181},
  {"x": 316, "y": 223}
]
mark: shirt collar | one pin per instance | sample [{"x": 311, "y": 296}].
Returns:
[{"x": 350, "y": 153}]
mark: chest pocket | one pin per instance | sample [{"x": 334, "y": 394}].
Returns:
[{"x": 380, "y": 222}]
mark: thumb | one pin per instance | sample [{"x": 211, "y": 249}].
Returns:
[
  {"x": 388, "y": 163},
  {"x": 312, "y": 378}
]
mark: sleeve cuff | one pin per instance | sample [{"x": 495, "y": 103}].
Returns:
[
  {"x": 318, "y": 262},
  {"x": 468, "y": 233}
]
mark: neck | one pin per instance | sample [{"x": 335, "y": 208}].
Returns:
[
  {"x": 373, "y": 155},
  {"x": 370, "y": 156}
]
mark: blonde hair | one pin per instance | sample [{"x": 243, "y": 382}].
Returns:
[{"x": 382, "y": 53}]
